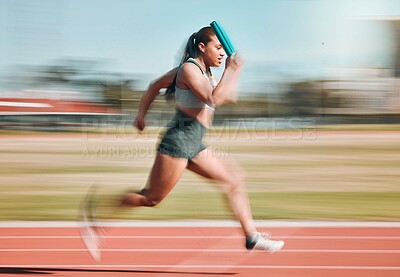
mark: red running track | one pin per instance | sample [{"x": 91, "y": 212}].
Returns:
[{"x": 202, "y": 251}]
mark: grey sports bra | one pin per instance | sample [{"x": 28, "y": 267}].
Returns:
[{"x": 187, "y": 99}]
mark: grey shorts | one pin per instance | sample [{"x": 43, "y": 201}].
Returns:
[{"x": 183, "y": 138}]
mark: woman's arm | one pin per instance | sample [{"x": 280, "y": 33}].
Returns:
[
  {"x": 151, "y": 93},
  {"x": 224, "y": 92}
]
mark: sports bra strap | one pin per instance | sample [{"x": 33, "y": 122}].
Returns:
[
  {"x": 191, "y": 60},
  {"x": 209, "y": 76}
]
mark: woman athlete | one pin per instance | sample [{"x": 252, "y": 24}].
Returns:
[{"x": 181, "y": 147}]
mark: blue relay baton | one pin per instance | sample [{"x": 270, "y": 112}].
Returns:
[{"x": 222, "y": 37}]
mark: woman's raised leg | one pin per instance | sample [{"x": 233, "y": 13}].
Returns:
[{"x": 164, "y": 175}]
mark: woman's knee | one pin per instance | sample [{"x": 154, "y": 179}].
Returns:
[
  {"x": 153, "y": 200},
  {"x": 236, "y": 186},
  {"x": 235, "y": 180},
  {"x": 141, "y": 198}
]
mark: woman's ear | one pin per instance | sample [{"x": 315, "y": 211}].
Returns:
[{"x": 202, "y": 47}]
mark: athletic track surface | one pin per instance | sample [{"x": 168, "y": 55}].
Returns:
[{"x": 324, "y": 249}]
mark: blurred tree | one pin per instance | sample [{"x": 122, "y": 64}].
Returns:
[
  {"x": 311, "y": 98},
  {"x": 302, "y": 98},
  {"x": 84, "y": 76}
]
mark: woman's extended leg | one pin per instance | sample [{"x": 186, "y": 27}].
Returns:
[
  {"x": 231, "y": 178},
  {"x": 227, "y": 173},
  {"x": 163, "y": 177}
]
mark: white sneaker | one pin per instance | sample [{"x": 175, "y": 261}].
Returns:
[
  {"x": 90, "y": 232},
  {"x": 91, "y": 240},
  {"x": 262, "y": 242}
]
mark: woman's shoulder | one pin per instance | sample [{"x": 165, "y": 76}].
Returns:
[
  {"x": 188, "y": 72},
  {"x": 190, "y": 69},
  {"x": 188, "y": 65}
]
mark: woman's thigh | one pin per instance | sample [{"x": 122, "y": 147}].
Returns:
[
  {"x": 216, "y": 168},
  {"x": 164, "y": 175}
]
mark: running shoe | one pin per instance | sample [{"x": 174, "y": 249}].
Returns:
[
  {"x": 263, "y": 242},
  {"x": 90, "y": 231}
]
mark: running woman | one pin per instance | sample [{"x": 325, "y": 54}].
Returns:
[{"x": 181, "y": 147}]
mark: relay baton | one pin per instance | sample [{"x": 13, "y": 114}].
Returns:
[{"x": 223, "y": 38}]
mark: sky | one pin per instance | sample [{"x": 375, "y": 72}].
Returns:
[{"x": 292, "y": 38}]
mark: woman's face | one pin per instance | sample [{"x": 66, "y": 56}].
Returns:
[{"x": 213, "y": 52}]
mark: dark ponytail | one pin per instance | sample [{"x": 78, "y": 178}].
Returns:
[
  {"x": 190, "y": 49},
  {"x": 204, "y": 35}
]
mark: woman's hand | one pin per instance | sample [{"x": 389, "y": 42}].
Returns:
[
  {"x": 139, "y": 123},
  {"x": 234, "y": 62}
]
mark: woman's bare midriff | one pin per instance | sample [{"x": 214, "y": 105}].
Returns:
[{"x": 202, "y": 115}]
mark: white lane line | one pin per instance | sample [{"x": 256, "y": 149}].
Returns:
[
  {"x": 25, "y": 104},
  {"x": 202, "y": 223},
  {"x": 367, "y": 251},
  {"x": 211, "y": 237},
  {"x": 171, "y": 266}
]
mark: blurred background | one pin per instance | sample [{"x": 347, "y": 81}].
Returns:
[{"x": 318, "y": 112}]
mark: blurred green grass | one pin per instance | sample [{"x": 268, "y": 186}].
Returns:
[
  {"x": 377, "y": 206},
  {"x": 44, "y": 176}
]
